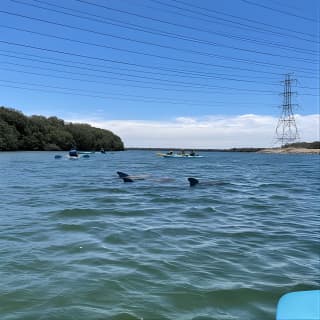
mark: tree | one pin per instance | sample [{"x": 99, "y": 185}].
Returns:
[
  {"x": 19, "y": 132},
  {"x": 8, "y": 137}
]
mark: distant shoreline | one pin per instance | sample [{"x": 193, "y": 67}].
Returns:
[
  {"x": 290, "y": 150},
  {"x": 198, "y": 150},
  {"x": 243, "y": 150}
]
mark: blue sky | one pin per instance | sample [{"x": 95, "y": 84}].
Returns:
[{"x": 157, "y": 60}]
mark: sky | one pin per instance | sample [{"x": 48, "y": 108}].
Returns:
[{"x": 164, "y": 73}]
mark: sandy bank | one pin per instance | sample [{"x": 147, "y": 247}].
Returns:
[{"x": 291, "y": 150}]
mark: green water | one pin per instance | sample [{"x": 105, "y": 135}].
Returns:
[{"x": 78, "y": 243}]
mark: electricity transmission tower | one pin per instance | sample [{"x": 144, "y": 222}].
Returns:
[{"x": 287, "y": 131}]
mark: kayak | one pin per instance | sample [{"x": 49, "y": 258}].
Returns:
[
  {"x": 73, "y": 157},
  {"x": 164, "y": 155},
  {"x": 299, "y": 305}
]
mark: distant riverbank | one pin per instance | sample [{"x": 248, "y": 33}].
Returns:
[
  {"x": 255, "y": 150},
  {"x": 199, "y": 150},
  {"x": 297, "y": 147},
  {"x": 291, "y": 150}
]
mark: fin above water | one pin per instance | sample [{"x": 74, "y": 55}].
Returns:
[
  {"x": 193, "y": 181},
  {"x": 122, "y": 174}
]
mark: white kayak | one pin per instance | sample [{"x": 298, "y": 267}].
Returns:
[
  {"x": 175, "y": 155},
  {"x": 73, "y": 157}
]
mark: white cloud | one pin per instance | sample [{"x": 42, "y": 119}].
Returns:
[{"x": 248, "y": 130}]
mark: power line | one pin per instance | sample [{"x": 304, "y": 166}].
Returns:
[
  {"x": 304, "y": 87},
  {"x": 81, "y": 94},
  {"x": 184, "y": 84},
  {"x": 241, "y": 18},
  {"x": 240, "y": 25},
  {"x": 144, "y": 77},
  {"x": 143, "y": 16},
  {"x": 178, "y": 84},
  {"x": 144, "y": 98},
  {"x": 157, "y": 31},
  {"x": 114, "y": 84},
  {"x": 88, "y": 93},
  {"x": 166, "y": 82},
  {"x": 280, "y": 11},
  {"x": 84, "y": 66},
  {"x": 117, "y": 61},
  {"x": 287, "y": 5},
  {"x": 273, "y": 65},
  {"x": 176, "y": 72},
  {"x": 260, "y": 92},
  {"x": 105, "y": 98},
  {"x": 155, "y": 44}
]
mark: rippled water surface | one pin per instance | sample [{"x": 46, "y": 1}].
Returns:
[{"x": 78, "y": 243}]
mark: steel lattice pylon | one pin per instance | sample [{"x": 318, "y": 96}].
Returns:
[{"x": 287, "y": 131}]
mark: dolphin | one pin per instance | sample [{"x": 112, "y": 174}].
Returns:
[
  {"x": 193, "y": 182},
  {"x": 131, "y": 178},
  {"x": 122, "y": 174}
]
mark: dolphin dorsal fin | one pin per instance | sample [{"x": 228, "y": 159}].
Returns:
[
  {"x": 122, "y": 174},
  {"x": 193, "y": 181}
]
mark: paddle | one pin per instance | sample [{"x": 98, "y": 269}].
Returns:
[{"x": 300, "y": 305}]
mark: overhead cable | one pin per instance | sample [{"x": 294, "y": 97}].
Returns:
[
  {"x": 118, "y": 61},
  {"x": 239, "y": 25},
  {"x": 128, "y": 25},
  {"x": 273, "y": 65},
  {"x": 241, "y": 18},
  {"x": 152, "y": 43},
  {"x": 281, "y": 11}
]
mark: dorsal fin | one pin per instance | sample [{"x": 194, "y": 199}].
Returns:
[
  {"x": 127, "y": 179},
  {"x": 193, "y": 181},
  {"x": 122, "y": 174}
]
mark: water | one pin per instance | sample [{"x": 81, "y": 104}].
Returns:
[{"x": 78, "y": 243}]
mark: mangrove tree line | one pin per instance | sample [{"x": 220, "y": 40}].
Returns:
[{"x": 20, "y": 132}]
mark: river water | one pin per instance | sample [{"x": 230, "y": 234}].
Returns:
[{"x": 76, "y": 242}]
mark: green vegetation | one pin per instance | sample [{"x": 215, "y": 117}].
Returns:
[
  {"x": 307, "y": 145},
  {"x": 19, "y": 132}
]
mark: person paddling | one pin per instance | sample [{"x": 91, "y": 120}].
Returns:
[{"x": 73, "y": 153}]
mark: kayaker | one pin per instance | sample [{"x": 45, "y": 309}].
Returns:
[{"x": 73, "y": 153}]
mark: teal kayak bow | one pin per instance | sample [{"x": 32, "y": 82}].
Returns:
[{"x": 300, "y": 305}]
